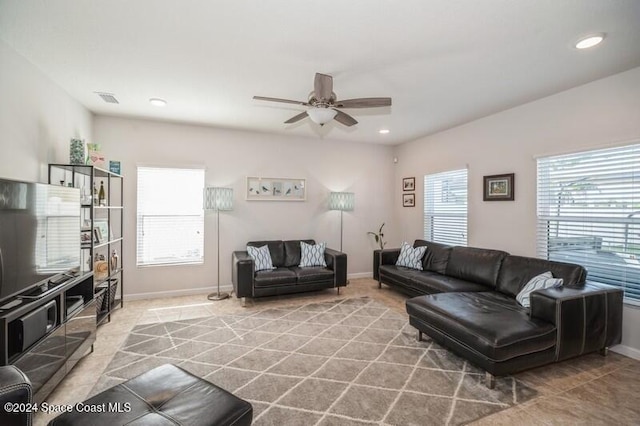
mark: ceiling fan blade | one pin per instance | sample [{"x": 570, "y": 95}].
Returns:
[
  {"x": 363, "y": 103},
  {"x": 345, "y": 119},
  {"x": 286, "y": 101},
  {"x": 323, "y": 86},
  {"x": 296, "y": 118}
]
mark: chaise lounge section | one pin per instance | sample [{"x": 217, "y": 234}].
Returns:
[{"x": 465, "y": 299}]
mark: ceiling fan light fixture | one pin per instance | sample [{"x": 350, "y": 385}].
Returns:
[
  {"x": 590, "y": 41},
  {"x": 321, "y": 116}
]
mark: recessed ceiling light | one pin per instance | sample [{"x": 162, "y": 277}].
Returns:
[
  {"x": 590, "y": 41},
  {"x": 158, "y": 102},
  {"x": 383, "y": 131}
]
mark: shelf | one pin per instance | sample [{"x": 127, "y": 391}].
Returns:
[
  {"x": 106, "y": 243},
  {"x": 89, "y": 177}
]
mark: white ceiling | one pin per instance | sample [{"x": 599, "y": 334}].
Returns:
[{"x": 444, "y": 62}]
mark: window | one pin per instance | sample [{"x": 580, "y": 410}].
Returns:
[
  {"x": 445, "y": 207},
  {"x": 589, "y": 214},
  {"x": 170, "y": 216}
]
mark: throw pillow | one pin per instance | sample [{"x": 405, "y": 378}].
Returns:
[
  {"x": 312, "y": 254},
  {"x": 411, "y": 257},
  {"x": 261, "y": 258},
  {"x": 539, "y": 282}
]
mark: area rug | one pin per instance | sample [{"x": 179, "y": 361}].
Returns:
[{"x": 344, "y": 362}]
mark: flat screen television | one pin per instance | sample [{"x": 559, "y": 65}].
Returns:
[{"x": 39, "y": 235}]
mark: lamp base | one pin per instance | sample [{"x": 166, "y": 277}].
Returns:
[{"x": 218, "y": 296}]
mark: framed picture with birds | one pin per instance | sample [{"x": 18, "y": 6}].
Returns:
[{"x": 276, "y": 189}]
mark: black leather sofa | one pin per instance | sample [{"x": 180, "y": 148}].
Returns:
[
  {"x": 464, "y": 299},
  {"x": 287, "y": 277},
  {"x": 16, "y": 396}
]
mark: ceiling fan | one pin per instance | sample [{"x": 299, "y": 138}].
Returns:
[{"x": 324, "y": 105}]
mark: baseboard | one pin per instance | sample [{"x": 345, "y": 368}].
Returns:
[
  {"x": 176, "y": 293},
  {"x": 360, "y": 275},
  {"x": 627, "y": 351}
]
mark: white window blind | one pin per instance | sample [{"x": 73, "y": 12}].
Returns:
[
  {"x": 170, "y": 216},
  {"x": 589, "y": 214},
  {"x": 445, "y": 207}
]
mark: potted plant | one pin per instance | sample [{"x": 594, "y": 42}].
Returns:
[{"x": 378, "y": 236}]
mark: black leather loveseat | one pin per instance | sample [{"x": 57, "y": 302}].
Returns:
[
  {"x": 465, "y": 300},
  {"x": 287, "y": 277}
]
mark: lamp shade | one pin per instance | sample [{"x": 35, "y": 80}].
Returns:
[
  {"x": 344, "y": 201},
  {"x": 218, "y": 199},
  {"x": 321, "y": 116}
]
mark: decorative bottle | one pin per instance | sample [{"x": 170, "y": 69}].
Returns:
[
  {"x": 101, "y": 196},
  {"x": 95, "y": 194},
  {"x": 114, "y": 260}
]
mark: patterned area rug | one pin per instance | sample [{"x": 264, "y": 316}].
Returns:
[{"x": 345, "y": 362}]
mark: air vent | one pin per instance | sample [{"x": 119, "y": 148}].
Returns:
[{"x": 108, "y": 97}]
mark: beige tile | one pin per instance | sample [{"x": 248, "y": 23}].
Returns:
[{"x": 585, "y": 390}]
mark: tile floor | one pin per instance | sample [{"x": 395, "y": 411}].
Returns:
[{"x": 590, "y": 390}]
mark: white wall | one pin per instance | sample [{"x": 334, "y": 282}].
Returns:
[
  {"x": 229, "y": 157},
  {"x": 37, "y": 119},
  {"x": 602, "y": 113}
]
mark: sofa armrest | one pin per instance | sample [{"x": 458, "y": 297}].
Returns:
[
  {"x": 588, "y": 318},
  {"x": 16, "y": 388},
  {"x": 242, "y": 273},
  {"x": 384, "y": 257},
  {"x": 337, "y": 262}
]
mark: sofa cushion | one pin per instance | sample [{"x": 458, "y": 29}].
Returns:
[
  {"x": 436, "y": 257},
  {"x": 292, "y": 252},
  {"x": 539, "y": 282},
  {"x": 400, "y": 274},
  {"x": 411, "y": 257},
  {"x": 491, "y": 323},
  {"x": 261, "y": 258},
  {"x": 430, "y": 282},
  {"x": 276, "y": 248},
  {"x": 277, "y": 276},
  {"x": 312, "y": 255},
  {"x": 312, "y": 274},
  {"x": 516, "y": 271},
  {"x": 477, "y": 265}
]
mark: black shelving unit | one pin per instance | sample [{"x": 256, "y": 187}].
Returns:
[{"x": 108, "y": 218}]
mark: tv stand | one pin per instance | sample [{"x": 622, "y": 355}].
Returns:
[{"x": 45, "y": 335}]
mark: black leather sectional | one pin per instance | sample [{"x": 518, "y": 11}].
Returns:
[
  {"x": 287, "y": 277},
  {"x": 464, "y": 299}
]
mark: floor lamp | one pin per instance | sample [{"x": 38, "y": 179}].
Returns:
[
  {"x": 218, "y": 199},
  {"x": 343, "y": 201}
]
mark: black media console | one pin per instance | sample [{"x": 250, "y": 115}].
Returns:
[{"x": 46, "y": 332}]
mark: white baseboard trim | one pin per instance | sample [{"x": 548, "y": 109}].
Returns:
[
  {"x": 627, "y": 351},
  {"x": 360, "y": 275},
  {"x": 176, "y": 293}
]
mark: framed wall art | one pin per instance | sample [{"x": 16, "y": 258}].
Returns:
[
  {"x": 409, "y": 200},
  {"x": 409, "y": 184},
  {"x": 499, "y": 187},
  {"x": 276, "y": 189}
]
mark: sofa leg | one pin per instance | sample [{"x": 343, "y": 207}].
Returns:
[
  {"x": 419, "y": 335},
  {"x": 379, "y": 284},
  {"x": 489, "y": 380},
  {"x": 604, "y": 351},
  {"x": 243, "y": 301},
  {"x": 338, "y": 289}
]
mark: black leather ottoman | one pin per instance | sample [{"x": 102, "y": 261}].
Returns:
[{"x": 166, "y": 395}]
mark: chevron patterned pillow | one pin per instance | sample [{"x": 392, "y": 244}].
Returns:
[
  {"x": 312, "y": 255},
  {"x": 411, "y": 257},
  {"x": 261, "y": 258},
  {"x": 539, "y": 282}
]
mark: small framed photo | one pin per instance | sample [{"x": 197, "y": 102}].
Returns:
[
  {"x": 103, "y": 226},
  {"x": 409, "y": 184},
  {"x": 85, "y": 236},
  {"x": 409, "y": 200},
  {"x": 97, "y": 236},
  {"x": 499, "y": 187}
]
